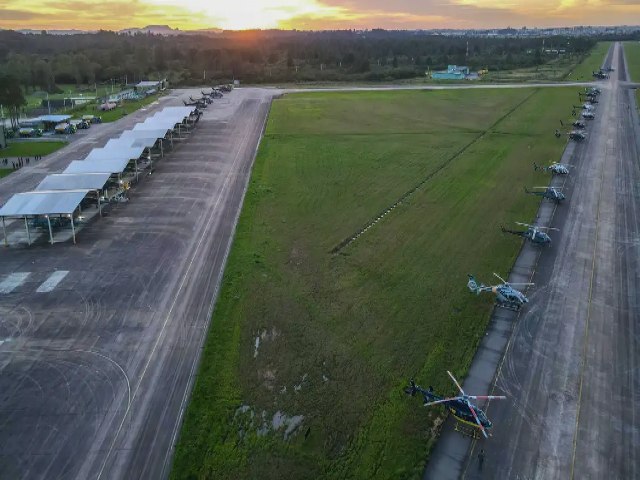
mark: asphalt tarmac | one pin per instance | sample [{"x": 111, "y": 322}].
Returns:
[
  {"x": 570, "y": 366},
  {"x": 99, "y": 341}
]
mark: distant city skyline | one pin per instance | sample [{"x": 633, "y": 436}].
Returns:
[{"x": 315, "y": 14}]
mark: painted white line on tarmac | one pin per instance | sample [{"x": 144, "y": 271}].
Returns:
[
  {"x": 52, "y": 282},
  {"x": 13, "y": 281}
]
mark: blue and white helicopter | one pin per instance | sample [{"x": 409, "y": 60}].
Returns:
[
  {"x": 506, "y": 295},
  {"x": 533, "y": 233},
  {"x": 460, "y": 407}
]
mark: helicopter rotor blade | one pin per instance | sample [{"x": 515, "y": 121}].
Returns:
[
  {"x": 500, "y": 278},
  {"x": 477, "y": 420},
  {"x": 521, "y": 284},
  {"x": 444, "y": 400},
  {"x": 487, "y": 397},
  {"x": 456, "y": 382},
  {"x": 523, "y": 224},
  {"x": 548, "y": 228}
]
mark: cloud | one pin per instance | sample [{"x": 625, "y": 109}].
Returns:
[{"x": 313, "y": 14}]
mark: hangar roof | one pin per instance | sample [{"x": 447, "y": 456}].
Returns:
[
  {"x": 111, "y": 166},
  {"x": 74, "y": 181},
  {"x": 43, "y": 203}
]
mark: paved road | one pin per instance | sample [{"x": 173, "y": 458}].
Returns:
[
  {"x": 99, "y": 341},
  {"x": 570, "y": 369}
]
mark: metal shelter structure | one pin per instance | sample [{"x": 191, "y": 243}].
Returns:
[
  {"x": 61, "y": 194},
  {"x": 95, "y": 182},
  {"x": 42, "y": 203}
]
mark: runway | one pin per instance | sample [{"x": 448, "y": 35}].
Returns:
[
  {"x": 570, "y": 367},
  {"x": 99, "y": 341}
]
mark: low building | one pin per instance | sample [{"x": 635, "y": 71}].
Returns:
[
  {"x": 147, "y": 87},
  {"x": 453, "y": 72}
]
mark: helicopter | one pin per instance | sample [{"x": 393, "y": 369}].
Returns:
[
  {"x": 195, "y": 103},
  {"x": 592, "y": 98},
  {"x": 555, "y": 168},
  {"x": 592, "y": 91},
  {"x": 532, "y": 233},
  {"x": 600, "y": 74},
  {"x": 550, "y": 193},
  {"x": 460, "y": 407},
  {"x": 506, "y": 295},
  {"x": 576, "y": 135},
  {"x": 204, "y": 100},
  {"x": 588, "y": 115},
  {"x": 585, "y": 106},
  {"x": 575, "y": 124}
]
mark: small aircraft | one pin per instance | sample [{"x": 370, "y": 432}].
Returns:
[
  {"x": 555, "y": 168},
  {"x": 588, "y": 115},
  {"x": 506, "y": 295},
  {"x": 592, "y": 91},
  {"x": 460, "y": 407},
  {"x": 533, "y": 233},
  {"x": 550, "y": 193},
  {"x": 585, "y": 106}
]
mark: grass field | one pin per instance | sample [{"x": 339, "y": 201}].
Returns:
[
  {"x": 128, "y": 106},
  {"x": 34, "y": 98},
  {"x": 584, "y": 71},
  {"x": 308, "y": 351},
  {"x": 5, "y": 171},
  {"x": 553, "y": 71},
  {"x": 632, "y": 54},
  {"x": 29, "y": 149}
]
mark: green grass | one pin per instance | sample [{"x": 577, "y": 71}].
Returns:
[
  {"x": 632, "y": 54},
  {"x": 34, "y": 98},
  {"x": 29, "y": 149},
  {"x": 554, "y": 70},
  {"x": 350, "y": 328},
  {"x": 5, "y": 171},
  {"x": 584, "y": 71},
  {"x": 128, "y": 106}
]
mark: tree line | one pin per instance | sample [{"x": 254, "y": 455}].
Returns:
[{"x": 43, "y": 61}]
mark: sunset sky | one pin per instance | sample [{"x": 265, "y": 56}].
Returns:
[{"x": 314, "y": 14}]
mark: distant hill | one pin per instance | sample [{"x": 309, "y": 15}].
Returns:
[
  {"x": 165, "y": 30},
  {"x": 27, "y": 31}
]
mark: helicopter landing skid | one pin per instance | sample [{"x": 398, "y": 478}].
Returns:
[
  {"x": 467, "y": 431},
  {"x": 509, "y": 306}
]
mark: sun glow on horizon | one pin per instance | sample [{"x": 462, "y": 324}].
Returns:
[{"x": 263, "y": 14}]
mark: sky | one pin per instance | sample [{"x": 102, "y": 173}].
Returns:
[{"x": 314, "y": 14}]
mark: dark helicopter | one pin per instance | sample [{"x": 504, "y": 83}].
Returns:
[
  {"x": 534, "y": 234},
  {"x": 550, "y": 193},
  {"x": 195, "y": 103},
  {"x": 591, "y": 98},
  {"x": 460, "y": 407},
  {"x": 575, "y": 135},
  {"x": 555, "y": 168},
  {"x": 575, "y": 124},
  {"x": 506, "y": 295},
  {"x": 600, "y": 75}
]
